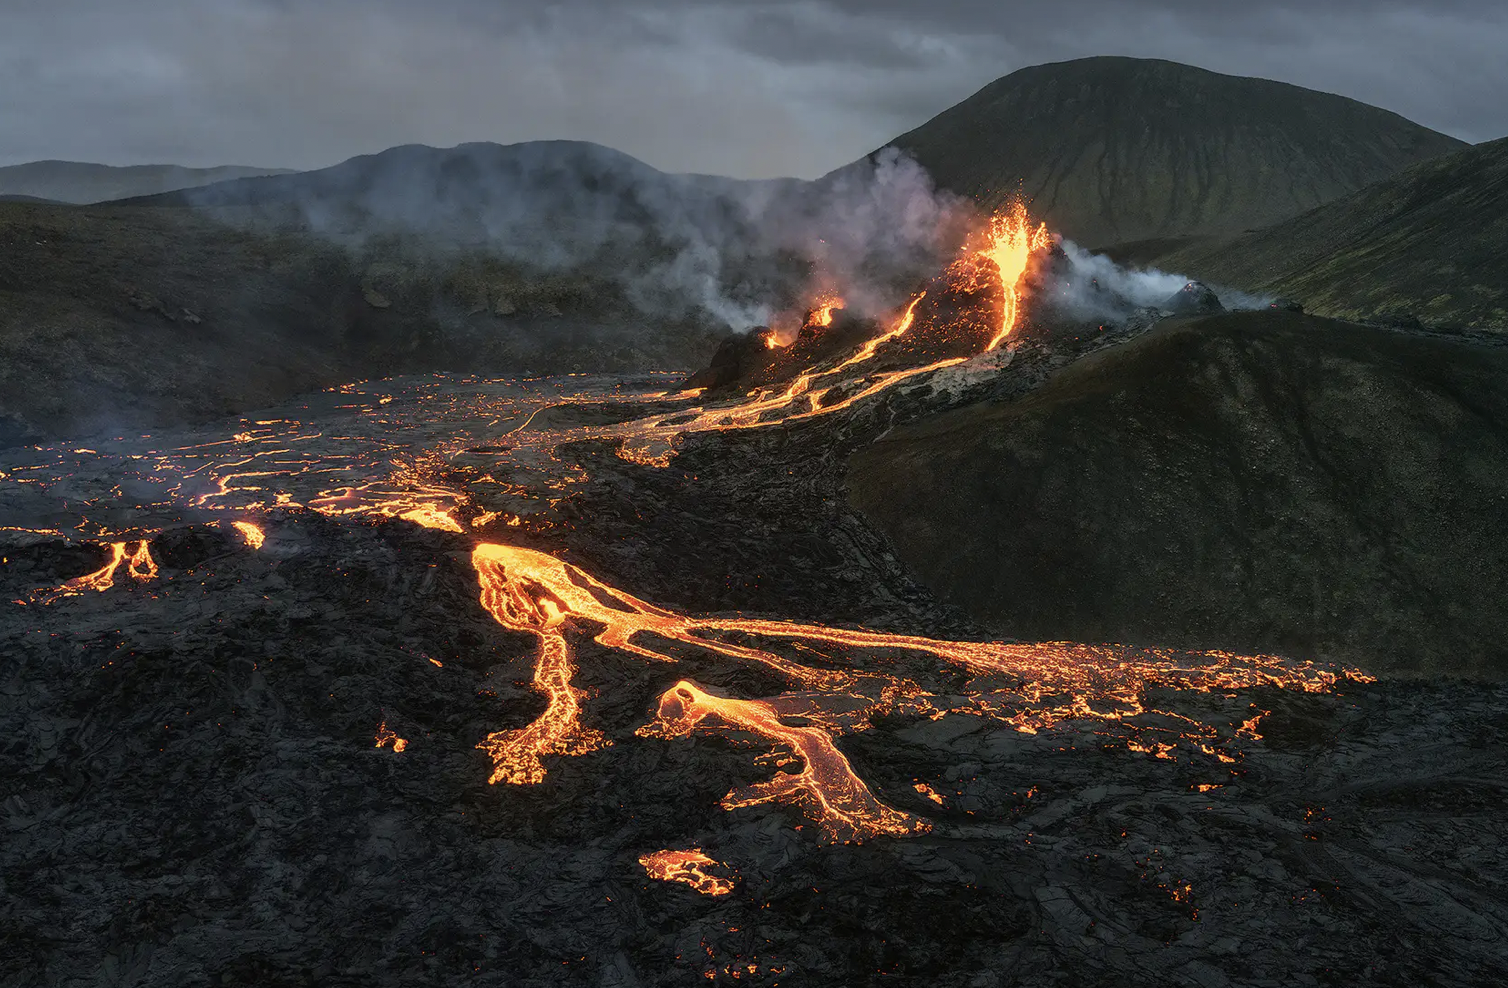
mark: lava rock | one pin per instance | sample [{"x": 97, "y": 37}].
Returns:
[
  {"x": 734, "y": 358},
  {"x": 1194, "y": 299}
]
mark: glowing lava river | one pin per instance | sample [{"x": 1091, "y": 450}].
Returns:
[{"x": 591, "y": 656}]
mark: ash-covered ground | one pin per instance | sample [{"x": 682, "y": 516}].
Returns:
[{"x": 204, "y": 784}]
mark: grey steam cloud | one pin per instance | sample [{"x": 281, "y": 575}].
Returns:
[
  {"x": 1096, "y": 288},
  {"x": 867, "y": 232},
  {"x": 677, "y": 246}
]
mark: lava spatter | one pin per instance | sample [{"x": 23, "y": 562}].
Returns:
[
  {"x": 690, "y": 867},
  {"x": 1012, "y": 242},
  {"x": 387, "y": 738}
]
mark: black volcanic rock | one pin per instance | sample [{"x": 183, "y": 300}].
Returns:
[
  {"x": 1194, "y": 299},
  {"x": 195, "y": 793},
  {"x": 737, "y": 358},
  {"x": 1113, "y": 149}
]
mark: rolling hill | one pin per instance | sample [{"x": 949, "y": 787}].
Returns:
[
  {"x": 117, "y": 319},
  {"x": 1113, "y": 149},
  {"x": 1257, "y": 482},
  {"x": 1426, "y": 245},
  {"x": 83, "y": 182}
]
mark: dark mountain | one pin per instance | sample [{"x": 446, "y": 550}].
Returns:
[
  {"x": 1116, "y": 149},
  {"x": 1259, "y": 482},
  {"x": 82, "y": 182},
  {"x": 1425, "y": 245}
]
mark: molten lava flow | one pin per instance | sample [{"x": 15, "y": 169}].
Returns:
[
  {"x": 1012, "y": 244},
  {"x": 386, "y": 736},
  {"x": 1028, "y": 687},
  {"x": 826, "y": 787},
  {"x": 250, "y": 533},
  {"x": 520, "y": 603},
  {"x": 142, "y": 565},
  {"x": 689, "y": 867},
  {"x": 869, "y": 348},
  {"x": 139, "y": 564}
]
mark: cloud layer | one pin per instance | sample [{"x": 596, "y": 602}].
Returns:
[{"x": 750, "y": 89}]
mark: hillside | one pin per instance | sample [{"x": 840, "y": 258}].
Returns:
[
  {"x": 1425, "y": 245},
  {"x": 1260, "y": 482},
  {"x": 1116, "y": 149},
  {"x": 131, "y": 319},
  {"x": 83, "y": 182}
]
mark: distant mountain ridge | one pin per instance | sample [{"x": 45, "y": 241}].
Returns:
[
  {"x": 84, "y": 182},
  {"x": 535, "y": 193},
  {"x": 1112, "y": 149}
]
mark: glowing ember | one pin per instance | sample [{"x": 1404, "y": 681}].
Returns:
[
  {"x": 928, "y": 792},
  {"x": 826, "y": 787},
  {"x": 386, "y": 737},
  {"x": 1012, "y": 244},
  {"x": 690, "y": 867},
  {"x": 250, "y": 533}
]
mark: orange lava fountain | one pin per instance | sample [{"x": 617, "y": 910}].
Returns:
[
  {"x": 689, "y": 867},
  {"x": 1013, "y": 241},
  {"x": 822, "y": 315}
]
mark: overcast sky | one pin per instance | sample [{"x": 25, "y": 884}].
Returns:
[{"x": 751, "y": 89}]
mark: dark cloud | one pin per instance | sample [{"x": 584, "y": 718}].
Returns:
[{"x": 746, "y": 88}]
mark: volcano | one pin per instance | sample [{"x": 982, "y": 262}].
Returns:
[{"x": 1002, "y": 617}]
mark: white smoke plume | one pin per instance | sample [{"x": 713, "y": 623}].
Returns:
[
  {"x": 676, "y": 246},
  {"x": 1094, "y": 287}
]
